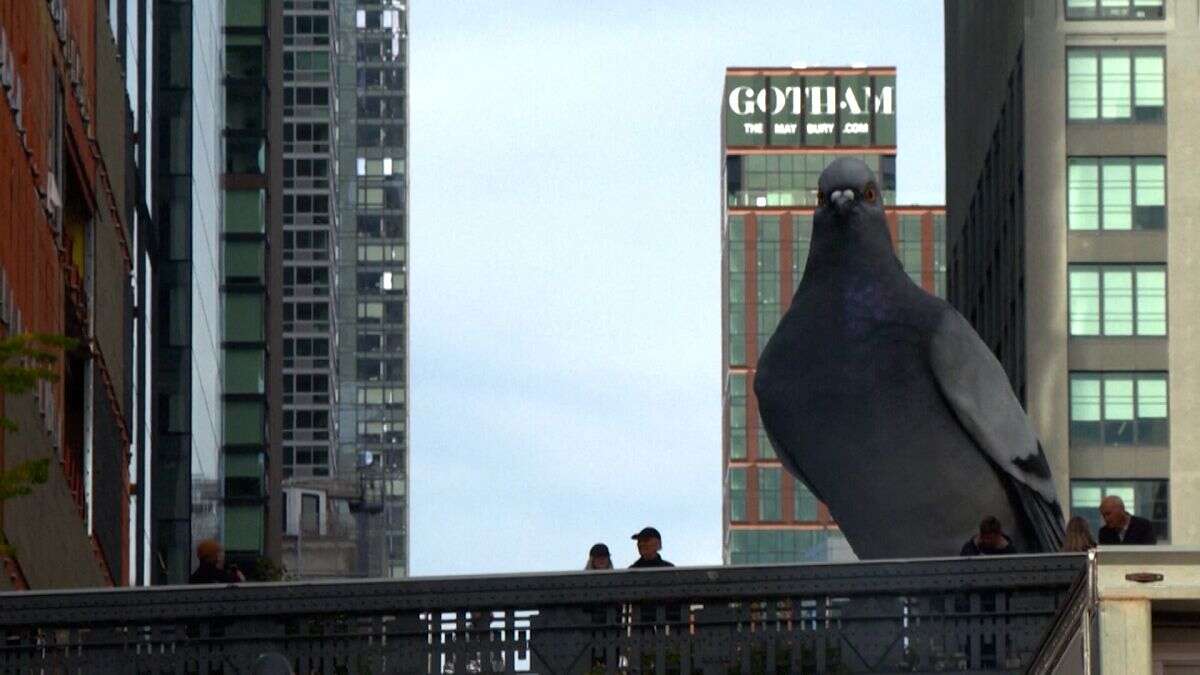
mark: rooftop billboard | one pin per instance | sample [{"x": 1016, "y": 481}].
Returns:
[{"x": 804, "y": 109}]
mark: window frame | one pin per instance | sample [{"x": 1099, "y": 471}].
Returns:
[{"x": 1103, "y": 377}]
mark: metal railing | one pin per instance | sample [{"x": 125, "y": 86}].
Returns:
[{"x": 982, "y": 614}]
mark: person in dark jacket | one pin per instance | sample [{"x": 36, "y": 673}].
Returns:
[
  {"x": 1122, "y": 527},
  {"x": 211, "y": 569},
  {"x": 599, "y": 558},
  {"x": 649, "y": 543},
  {"x": 991, "y": 540}
]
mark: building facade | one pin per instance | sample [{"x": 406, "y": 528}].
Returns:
[
  {"x": 252, "y": 286},
  {"x": 1072, "y": 238},
  {"x": 372, "y": 149},
  {"x": 781, "y": 127},
  {"x": 72, "y": 209}
]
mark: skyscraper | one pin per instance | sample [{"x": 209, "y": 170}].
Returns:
[
  {"x": 1071, "y": 241},
  {"x": 373, "y": 269},
  {"x": 781, "y": 127}
]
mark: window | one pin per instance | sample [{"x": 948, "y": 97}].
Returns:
[
  {"x": 244, "y": 211},
  {"x": 801, "y": 238},
  {"x": 768, "y": 494},
  {"x": 309, "y": 459},
  {"x": 939, "y": 255},
  {"x": 244, "y": 422},
  {"x": 737, "y": 416},
  {"x": 1116, "y": 193},
  {"x": 1120, "y": 85},
  {"x": 244, "y": 317},
  {"x": 1148, "y": 499},
  {"x": 244, "y": 473},
  {"x": 244, "y": 371},
  {"x": 244, "y": 261},
  {"x": 737, "y": 494},
  {"x": 909, "y": 245},
  {"x": 1117, "y": 300},
  {"x": 767, "y": 259},
  {"x": 312, "y": 424},
  {"x": 749, "y": 547},
  {"x": 791, "y": 180},
  {"x": 737, "y": 290},
  {"x": 310, "y": 514},
  {"x": 1119, "y": 409},
  {"x": 805, "y": 503},
  {"x": 1114, "y": 9},
  {"x": 392, "y": 397}
]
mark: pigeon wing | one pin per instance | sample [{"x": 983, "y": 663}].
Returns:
[{"x": 978, "y": 391}]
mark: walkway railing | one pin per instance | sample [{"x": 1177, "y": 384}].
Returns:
[{"x": 986, "y": 614}]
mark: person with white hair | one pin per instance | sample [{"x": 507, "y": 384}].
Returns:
[{"x": 1122, "y": 527}]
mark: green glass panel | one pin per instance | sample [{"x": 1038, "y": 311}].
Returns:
[
  {"x": 745, "y": 122},
  {"x": 737, "y": 493},
  {"x": 244, "y": 320},
  {"x": 1083, "y": 194},
  {"x": 244, "y": 525},
  {"x": 1085, "y": 399},
  {"x": 1084, "y": 292},
  {"x": 768, "y": 494},
  {"x": 245, "y": 14},
  {"x": 1115, "y": 86},
  {"x": 1151, "y": 189},
  {"x": 805, "y": 506},
  {"x": 244, "y": 371},
  {"x": 1118, "y": 399},
  {"x": 820, "y": 103},
  {"x": 1149, "y": 89},
  {"x": 1083, "y": 83},
  {"x": 1151, "y": 301},
  {"x": 1117, "y": 184},
  {"x": 858, "y": 97},
  {"x": 244, "y": 260},
  {"x": 245, "y": 211},
  {"x": 244, "y": 422},
  {"x": 1152, "y": 398},
  {"x": 1118, "y": 301}
]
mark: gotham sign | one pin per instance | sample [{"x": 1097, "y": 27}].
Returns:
[{"x": 820, "y": 111}]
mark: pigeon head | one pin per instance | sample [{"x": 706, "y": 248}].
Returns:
[{"x": 847, "y": 185}]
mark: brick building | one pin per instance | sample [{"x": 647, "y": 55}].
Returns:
[{"x": 67, "y": 248}]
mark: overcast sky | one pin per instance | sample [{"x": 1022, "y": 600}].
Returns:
[{"x": 565, "y": 258}]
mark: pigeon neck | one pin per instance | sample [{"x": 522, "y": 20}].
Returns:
[{"x": 851, "y": 248}]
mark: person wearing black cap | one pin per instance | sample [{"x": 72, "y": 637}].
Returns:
[
  {"x": 649, "y": 543},
  {"x": 599, "y": 558}
]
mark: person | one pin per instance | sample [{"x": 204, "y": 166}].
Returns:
[
  {"x": 991, "y": 540},
  {"x": 1122, "y": 527},
  {"x": 1079, "y": 536},
  {"x": 599, "y": 558},
  {"x": 211, "y": 569},
  {"x": 649, "y": 543}
]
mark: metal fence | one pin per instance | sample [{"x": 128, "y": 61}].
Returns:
[{"x": 981, "y": 614}]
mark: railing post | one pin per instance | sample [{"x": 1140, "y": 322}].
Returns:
[{"x": 1125, "y": 637}]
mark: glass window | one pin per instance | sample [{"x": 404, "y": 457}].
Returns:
[
  {"x": 737, "y": 493},
  {"x": 1116, "y": 193},
  {"x": 805, "y": 503},
  {"x": 310, "y": 514},
  {"x": 244, "y": 211},
  {"x": 737, "y": 290},
  {"x": 909, "y": 245},
  {"x": 768, "y": 494},
  {"x": 244, "y": 371},
  {"x": 244, "y": 261},
  {"x": 737, "y": 416},
  {"x": 749, "y": 547},
  {"x": 1114, "y": 9},
  {"x": 243, "y": 422},
  {"x": 245, "y": 14},
  {"x": 1148, "y": 499},
  {"x": 244, "y": 317},
  {"x": 768, "y": 278},
  {"x": 765, "y": 449},
  {"x": 801, "y": 239},
  {"x": 791, "y": 180},
  {"x": 1119, "y": 409},
  {"x": 1114, "y": 84},
  {"x": 244, "y": 525},
  {"x": 1117, "y": 300},
  {"x": 244, "y": 473}
]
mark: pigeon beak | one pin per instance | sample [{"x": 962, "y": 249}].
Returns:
[{"x": 842, "y": 199}]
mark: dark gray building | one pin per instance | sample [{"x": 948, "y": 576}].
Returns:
[
  {"x": 373, "y": 270},
  {"x": 1071, "y": 234}
]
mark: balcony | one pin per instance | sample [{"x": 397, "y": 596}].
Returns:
[{"x": 923, "y": 615}]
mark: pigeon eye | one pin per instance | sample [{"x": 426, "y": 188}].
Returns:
[
  {"x": 822, "y": 200},
  {"x": 870, "y": 194}
]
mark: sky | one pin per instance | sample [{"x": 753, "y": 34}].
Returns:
[{"x": 565, "y": 269}]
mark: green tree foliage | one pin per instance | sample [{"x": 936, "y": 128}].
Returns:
[{"x": 26, "y": 360}]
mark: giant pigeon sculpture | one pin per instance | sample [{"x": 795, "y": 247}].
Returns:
[{"x": 888, "y": 405}]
